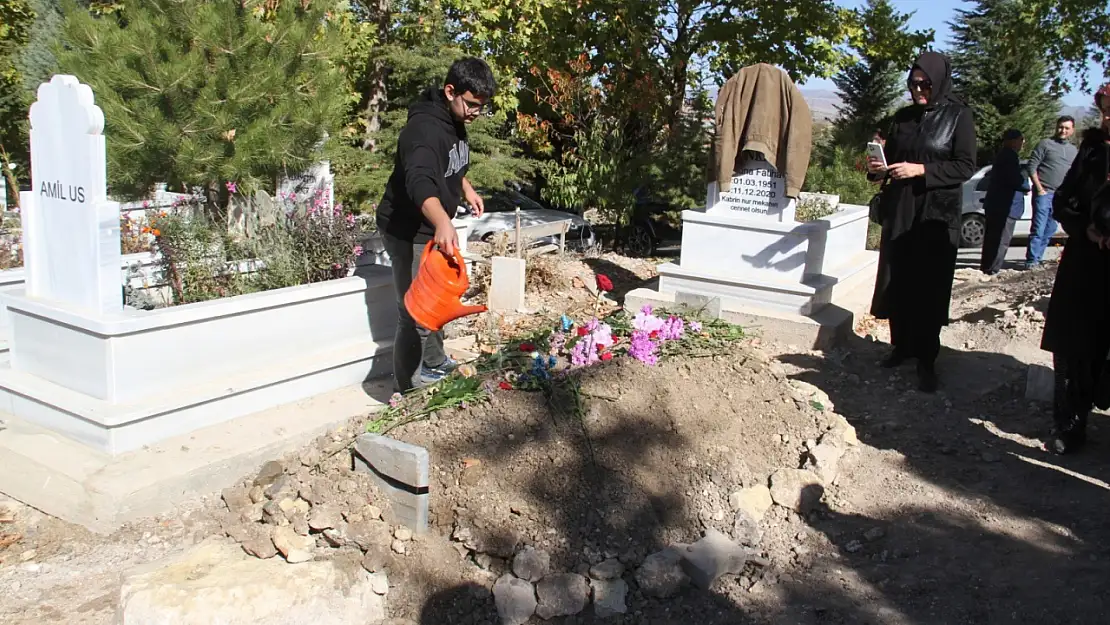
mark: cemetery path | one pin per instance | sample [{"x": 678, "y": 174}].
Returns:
[{"x": 948, "y": 511}]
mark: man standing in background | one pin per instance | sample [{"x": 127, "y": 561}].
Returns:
[
  {"x": 1005, "y": 202},
  {"x": 1051, "y": 159}
]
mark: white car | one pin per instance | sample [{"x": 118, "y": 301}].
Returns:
[
  {"x": 974, "y": 226},
  {"x": 500, "y": 216}
]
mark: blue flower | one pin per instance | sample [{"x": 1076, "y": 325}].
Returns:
[{"x": 566, "y": 322}]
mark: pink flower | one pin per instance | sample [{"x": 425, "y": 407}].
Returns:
[
  {"x": 350, "y": 218},
  {"x": 231, "y": 186},
  {"x": 695, "y": 327},
  {"x": 642, "y": 348},
  {"x": 646, "y": 321},
  {"x": 358, "y": 250}
]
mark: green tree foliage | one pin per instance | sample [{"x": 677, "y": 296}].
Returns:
[
  {"x": 199, "y": 92},
  {"x": 36, "y": 61},
  {"x": 396, "y": 50},
  {"x": 871, "y": 88},
  {"x": 1006, "y": 86},
  {"x": 16, "y": 19},
  {"x": 1069, "y": 33}
]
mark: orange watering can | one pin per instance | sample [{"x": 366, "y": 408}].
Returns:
[{"x": 433, "y": 300}]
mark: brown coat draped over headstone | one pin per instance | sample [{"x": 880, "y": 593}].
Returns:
[{"x": 760, "y": 110}]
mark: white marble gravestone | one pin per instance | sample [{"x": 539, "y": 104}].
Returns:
[
  {"x": 756, "y": 191},
  {"x": 71, "y": 232}
]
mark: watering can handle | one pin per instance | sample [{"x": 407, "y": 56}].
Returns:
[{"x": 459, "y": 262}]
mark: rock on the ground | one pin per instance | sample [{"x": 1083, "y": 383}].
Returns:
[
  {"x": 711, "y": 557},
  {"x": 376, "y": 558},
  {"x": 755, "y": 500},
  {"x": 842, "y": 432},
  {"x": 324, "y": 517},
  {"x": 379, "y": 583},
  {"x": 398, "y": 546},
  {"x": 746, "y": 530},
  {"x": 293, "y": 546},
  {"x": 531, "y": 565},
  {"x": 610, "y": 597},
  {"x": 515, "y": 600},
  {"x": 207, "y": 585},
  {"x": 609, "y": 569},
  {"x": 565, "y": 594},
  {"x": 368, "y": 533},
  {"x": 259, "y": 542},
  {"x": 824, "y": 459},
  {"x": 269, "y": 473},
  {"x": 403, "y": 534},
  {"x": 661, "y": 573},
  {"x": 238, "y": 501},
  {"x": 797, "y": 489}
]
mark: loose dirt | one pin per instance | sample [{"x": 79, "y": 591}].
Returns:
[{"x": 948, "y": 511}]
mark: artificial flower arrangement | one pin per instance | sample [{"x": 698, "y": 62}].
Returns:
[{"x": 552, "y": 354}]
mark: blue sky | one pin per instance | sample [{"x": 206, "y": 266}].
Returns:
[{"x": 936, "y": 14}]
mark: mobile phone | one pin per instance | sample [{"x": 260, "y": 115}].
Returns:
[{"x": 875, "y": 150}]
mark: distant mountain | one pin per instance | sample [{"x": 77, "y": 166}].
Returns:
[{"x": 822, "y": 103}]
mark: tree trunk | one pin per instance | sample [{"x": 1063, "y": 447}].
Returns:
[
  {"x": 372, "y": 113},
  {"x": 376, "y": 88}
]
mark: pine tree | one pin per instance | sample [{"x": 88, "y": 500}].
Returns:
[
  {"x": 1005, "y": 82},
  {"x": 36, "y": 61},
  {"x": 197, "y": 93},
  {"x": 871, "y": 88}
]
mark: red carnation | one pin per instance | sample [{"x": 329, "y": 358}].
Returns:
[
  {"x": 606, "y": 356},
  {"x": 654, "y": 334},
  {"x": 604, "y": 283},
  {"x": 527, "y": 347},
  {"x": 582, "y": 331},
  {"x": 505, "y": 386}
]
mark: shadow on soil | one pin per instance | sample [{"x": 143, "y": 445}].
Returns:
[
  {"x": 1039, "y": 556},
  {"x": 1039, "y": 552}
]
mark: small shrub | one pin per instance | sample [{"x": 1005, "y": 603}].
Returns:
[{"x": 200, "y": 260}]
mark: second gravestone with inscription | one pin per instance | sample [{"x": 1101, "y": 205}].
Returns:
[
  {"x": 745, "y": 256},
  {"x": 756, "y": 191},
  {"x": 71, "y": 229}
]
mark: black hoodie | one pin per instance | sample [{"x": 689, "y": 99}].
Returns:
[{"x": 432, "y": 158}]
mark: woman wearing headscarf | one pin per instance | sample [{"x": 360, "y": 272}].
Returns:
[
  {"x": 1077, "y": 326},
  {"x": 930, "y": 152}
]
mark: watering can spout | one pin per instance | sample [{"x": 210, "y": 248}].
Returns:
[{"x": 433, "y": 300}]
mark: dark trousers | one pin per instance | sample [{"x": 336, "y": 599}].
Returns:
[
  {"x": 914, "y": 339},
  {"x": 1000, "y": 230},
  {"x": 412, "y": 344},
  {"x": 1079, "y": 382}
]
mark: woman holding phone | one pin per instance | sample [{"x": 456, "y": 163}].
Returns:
[{"x": 930, "y": 153}]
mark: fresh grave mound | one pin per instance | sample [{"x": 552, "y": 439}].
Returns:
[{"x": 629, "y": 460}]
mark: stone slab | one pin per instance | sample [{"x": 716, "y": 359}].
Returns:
[
  {"x": 397, "y": 460},
  {"x": 215, "y": 582},
  {"x": 506, "y": 291},
  {"x": 76, "y": 483},
  {"x": 400, "y": 471},
  {"x": 1040, "y": 383}
]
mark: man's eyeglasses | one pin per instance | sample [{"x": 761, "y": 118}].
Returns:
[
  {"x": 476, "y": 107},
  {"x": 921, "y": 85}
]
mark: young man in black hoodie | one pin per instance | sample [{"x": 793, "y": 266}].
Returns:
[{"x": 420, "y": 200}]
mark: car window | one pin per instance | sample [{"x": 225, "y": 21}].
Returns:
[{"x": 498, "y": 204}]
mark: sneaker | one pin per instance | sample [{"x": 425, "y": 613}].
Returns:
[
  {"x": 431, "y": 375},
  {"x": 1032, "y": 266}
]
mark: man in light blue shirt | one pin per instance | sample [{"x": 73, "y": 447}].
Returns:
[{"x": 1048, "y": 165}]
